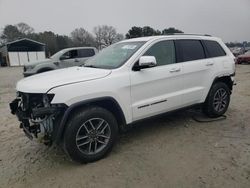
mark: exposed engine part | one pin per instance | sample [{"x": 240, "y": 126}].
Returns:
[
  {"x": 45, "y": 130},
  {"x": 37, "y": 115}
]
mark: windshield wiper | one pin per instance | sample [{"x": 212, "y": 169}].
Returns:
[{"x": 92, "y": 66}]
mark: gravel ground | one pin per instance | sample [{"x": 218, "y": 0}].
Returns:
[{"x": 170, "y": 151}]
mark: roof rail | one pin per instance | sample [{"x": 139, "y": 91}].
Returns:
[{"x": 189, "y": 34}]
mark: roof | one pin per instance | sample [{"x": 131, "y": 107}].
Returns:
[
  {"x": 23, "y": 39},
  {"x": 175, "y": 36},
  {"x": 23, "y": 45}
]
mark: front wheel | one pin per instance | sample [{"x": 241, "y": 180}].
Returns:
[
  {"x": 217, "y": 101},
  {"x": 90, "y": 134}
]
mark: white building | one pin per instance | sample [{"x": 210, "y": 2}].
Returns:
[{"x": 22, "y": 51}]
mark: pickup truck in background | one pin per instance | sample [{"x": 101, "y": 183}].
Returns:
[{"x": 65, "y": 58}]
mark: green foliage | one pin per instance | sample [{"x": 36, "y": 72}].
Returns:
[
  {"x": 104, "y": 36},
  {"x": 170, "y": 30},
  {"x": 54, "y": 42},
  {"x": 10, "y": 33},
  {"x": 135, "y": 32}
]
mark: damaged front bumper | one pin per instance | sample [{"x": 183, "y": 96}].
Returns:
[{"x": 38, "y": 120}]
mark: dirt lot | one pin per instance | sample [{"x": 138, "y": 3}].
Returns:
[{"x": 171, "y": 151}]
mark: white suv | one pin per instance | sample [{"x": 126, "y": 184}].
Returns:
[{"x": 84, "y": 107}]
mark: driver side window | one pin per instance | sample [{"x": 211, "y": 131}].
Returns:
[
  {"x": 163, "y": 51},
  {"x": 72, "y": 54}
]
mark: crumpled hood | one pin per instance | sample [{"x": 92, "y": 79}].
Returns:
[
  {"x": 33, "y": 63},
  {"x": 43, "y": 82}
]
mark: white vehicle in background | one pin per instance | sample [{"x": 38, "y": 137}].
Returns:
[
  {"x": 82, "y": 108},
  {"x": 68, "y": 57}
]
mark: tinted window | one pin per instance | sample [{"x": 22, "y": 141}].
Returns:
[
  {"x": 70, "y": 54},
  {"x": 214, "y": 49},
  {"x": 86, "y": 53},
  {"x": 188, "y": 50},
  {"x": 164, "y": 52}
]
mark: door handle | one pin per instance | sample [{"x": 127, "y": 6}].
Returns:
[
  {"x": 209, "y": 64},
  {"x": 175, "y": 70}
]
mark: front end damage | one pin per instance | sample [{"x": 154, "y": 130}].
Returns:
[{"x": 38, "y": 117}]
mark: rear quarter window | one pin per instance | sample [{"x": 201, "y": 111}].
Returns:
[
  {"x": 189, "y": 50},
  {"x": 214, "y": 49}
]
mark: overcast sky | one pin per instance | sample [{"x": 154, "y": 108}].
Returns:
[{"x": 228, "y": 19}]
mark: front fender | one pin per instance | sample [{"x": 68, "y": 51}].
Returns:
[
  {"x": 62, "y": 125},
  {"x": 44, "y": 66}
]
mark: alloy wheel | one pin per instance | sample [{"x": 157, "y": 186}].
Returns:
[
  {"x": 220, "y": 100},
  {"x": 93, "y": 135}
]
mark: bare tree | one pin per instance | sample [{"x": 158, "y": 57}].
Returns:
[
  {"x": 81, "y": 37},
  {"x": 98, "y": 37},
  {"x": 106, "y": 35},
  {"x": 24, "y": 28},
  {"x": 119, "y": 37}
]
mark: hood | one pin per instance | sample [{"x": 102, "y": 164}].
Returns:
[
  {"x": 33, "y": 63},
  {"x": 43, "y": 82}
]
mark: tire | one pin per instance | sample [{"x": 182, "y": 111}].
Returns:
[
  {"x": 217, "y": 101},
  {"x": 90, "y": 134}
]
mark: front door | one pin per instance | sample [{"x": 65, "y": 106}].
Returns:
[
  {"x": 158, "y": 89},
  {"x": 69, "y": 59}
]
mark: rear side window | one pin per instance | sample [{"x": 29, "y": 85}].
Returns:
[
  {"x": 163, "y": 51},
  {"x": 213, "y": 49},
  {"x": 86, "y": 53},
  {"x": 189, "y": 50}
]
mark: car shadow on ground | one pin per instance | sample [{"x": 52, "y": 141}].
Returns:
[{"x": 174, "y": 121}]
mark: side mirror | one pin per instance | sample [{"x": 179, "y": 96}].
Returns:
[{"x": 145, "y": 62}]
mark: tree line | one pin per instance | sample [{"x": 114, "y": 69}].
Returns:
[
  {"x": 101, "y": 37},
  {"x": 237, "y": 44}
]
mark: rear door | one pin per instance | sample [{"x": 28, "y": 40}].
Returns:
[
  {"x": 197, "y": 70},
  {"x": 157, "y": 89}
]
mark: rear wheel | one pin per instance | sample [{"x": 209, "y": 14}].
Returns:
[
  {"x": 217, "y": 101},
  {"x": 90, "y": 134}
]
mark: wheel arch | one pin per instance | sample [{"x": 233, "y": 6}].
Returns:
[
  {"x": 225, "y": 79},
  {"x": 109, "y": 103},
  {"x": 44, "y": 69}
]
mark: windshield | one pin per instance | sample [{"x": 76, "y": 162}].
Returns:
[
  {"x": 114, "y": 56},
  {"x": 56, "y": 54}
]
